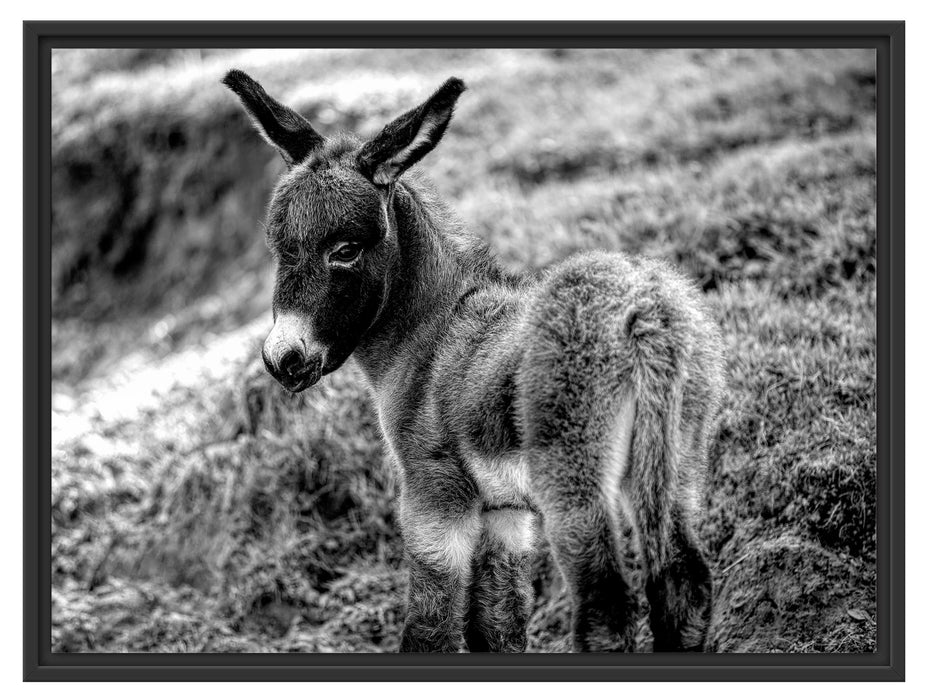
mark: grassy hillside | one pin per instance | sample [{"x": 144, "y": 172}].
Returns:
[{"x": 198, "y": 507}]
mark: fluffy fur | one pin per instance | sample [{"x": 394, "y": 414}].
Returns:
[{"x": 500, "y": 397}]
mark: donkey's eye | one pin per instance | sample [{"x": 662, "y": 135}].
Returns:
[{"x": 345, "y": 253}]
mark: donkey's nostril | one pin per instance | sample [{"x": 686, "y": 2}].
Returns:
[{"x": 292, "y": 363}]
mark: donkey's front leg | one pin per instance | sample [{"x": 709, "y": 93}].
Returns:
[
  {"x": 440, "y": 537},
  {"x": 501, "y": 595}
]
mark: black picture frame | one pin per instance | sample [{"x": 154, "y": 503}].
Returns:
[{"x": 887, "y": 663}]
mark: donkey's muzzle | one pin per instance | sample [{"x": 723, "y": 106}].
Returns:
[{"x": 293, "y": 370}]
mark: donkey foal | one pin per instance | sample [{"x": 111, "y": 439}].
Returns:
[{"x": 587, "y": 395}]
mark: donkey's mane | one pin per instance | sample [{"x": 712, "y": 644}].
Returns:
[
  {"x": 424, "y": 214},
  {"x": 441, "y": 263}
]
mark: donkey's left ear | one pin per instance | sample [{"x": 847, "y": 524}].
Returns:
[{"x": 409, "y": 137}]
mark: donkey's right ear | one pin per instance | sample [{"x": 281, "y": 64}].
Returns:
[{"x": 281, "y": 126}]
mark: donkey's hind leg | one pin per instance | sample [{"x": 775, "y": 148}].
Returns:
[
  {"x": 575, "y": 482},
  {"x": 501, "y": 595},
  {"x": 678, "y": 588},
  {"x": 582, "y": 534}
]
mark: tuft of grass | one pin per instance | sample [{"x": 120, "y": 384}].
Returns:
[{"x": 215, "y": 512}]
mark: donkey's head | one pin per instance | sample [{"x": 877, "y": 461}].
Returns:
[{"x": 331, "y": 227}]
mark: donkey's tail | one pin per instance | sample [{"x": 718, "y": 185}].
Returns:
[{"x": 654, "y": 469}]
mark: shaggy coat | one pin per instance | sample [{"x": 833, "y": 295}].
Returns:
[{"x": 587, "y": 395}]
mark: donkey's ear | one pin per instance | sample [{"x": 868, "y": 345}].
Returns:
[
  {"x": 409, "y": 137},
  {"x": 281, "y": 126}
]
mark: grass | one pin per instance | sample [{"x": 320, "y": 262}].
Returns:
[{"x": 197, "y": 507}]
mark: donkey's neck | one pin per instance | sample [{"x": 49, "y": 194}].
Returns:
[{"x": 438, "y": 262}]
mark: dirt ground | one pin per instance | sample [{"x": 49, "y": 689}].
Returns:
[{"x": 198, "y": 507}]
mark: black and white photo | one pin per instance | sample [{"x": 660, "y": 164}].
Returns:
[{"x": 464, "y": 350}]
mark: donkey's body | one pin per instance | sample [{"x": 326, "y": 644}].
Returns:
[{"x": 581, "y": 395}]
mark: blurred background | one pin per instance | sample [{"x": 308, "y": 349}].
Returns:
[{"x": 197, "y": 507}]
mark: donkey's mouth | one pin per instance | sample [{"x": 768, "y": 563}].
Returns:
[{"x": 297, "y": 384}]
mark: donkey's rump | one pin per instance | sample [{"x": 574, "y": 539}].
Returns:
[
  {"x": 600, "y": 328},
  {"x": 620, "y": 360}
]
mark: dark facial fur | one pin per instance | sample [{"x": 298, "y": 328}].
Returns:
[{"x": 321, "y": 204}]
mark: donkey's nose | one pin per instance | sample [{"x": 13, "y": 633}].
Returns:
[{"x": 291, "y": 354}]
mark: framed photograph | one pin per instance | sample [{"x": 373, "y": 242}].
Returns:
[{"x": 464, "y": 351}]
